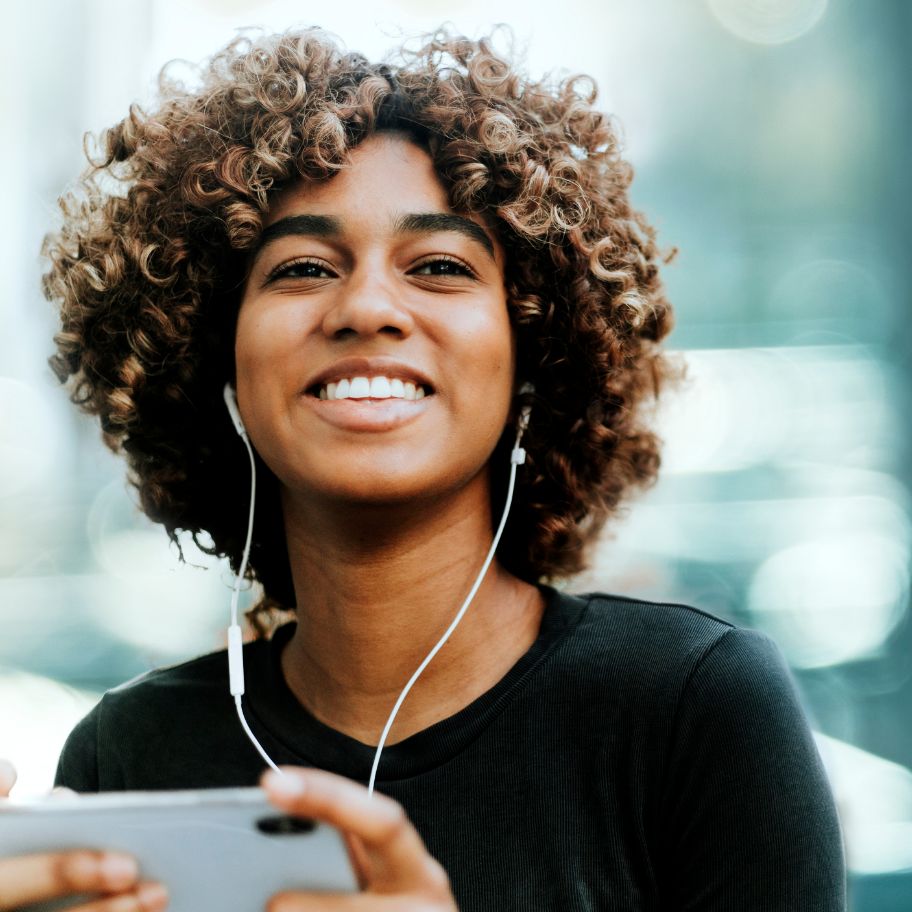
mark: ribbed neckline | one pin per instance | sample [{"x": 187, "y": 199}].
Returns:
[{"x": 277, "y": 710}]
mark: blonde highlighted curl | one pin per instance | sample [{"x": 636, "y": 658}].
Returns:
[{"x": 148, "y": 266}]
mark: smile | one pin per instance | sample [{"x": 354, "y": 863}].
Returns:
[
  {"x": 378, "y": 387},
  {"x": 366, "y": 413}
]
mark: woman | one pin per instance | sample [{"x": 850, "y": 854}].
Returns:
[{"x": 377, "y": 259}]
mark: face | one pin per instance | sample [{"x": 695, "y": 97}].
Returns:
[{"x": 374, "y": 353}]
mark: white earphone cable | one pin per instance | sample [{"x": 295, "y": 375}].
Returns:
[
  {"x": 246, "y": 556},
  {"x": 252, "y": 736},
  {"x": 517, "y": 457},
  {"x": 235, "y": 641}
]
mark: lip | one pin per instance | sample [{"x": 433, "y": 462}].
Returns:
[
  {"x": 366, "y": 415},
  {"x": 367, "y": 367}
]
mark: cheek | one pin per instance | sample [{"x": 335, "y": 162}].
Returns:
[
  {"x": 488, "y": 368},
  {"x": 263, "y": 341},
  {"x": 492, "y": 346},
  {"x": 266, "y": 336},
  {"x": 251, "y": 351}
]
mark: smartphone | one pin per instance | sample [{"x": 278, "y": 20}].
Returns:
[{"x": 225, "y": 849}]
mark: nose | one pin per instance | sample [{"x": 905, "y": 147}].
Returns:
[{"x": 368, "y": 304}]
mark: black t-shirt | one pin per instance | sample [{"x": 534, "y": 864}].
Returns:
[{"x": 639, "y": 757}]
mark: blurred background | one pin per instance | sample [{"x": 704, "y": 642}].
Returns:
[{"x": 768, "y": 138}]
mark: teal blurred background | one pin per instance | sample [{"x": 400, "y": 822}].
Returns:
[{"x": 769, "y": 140}]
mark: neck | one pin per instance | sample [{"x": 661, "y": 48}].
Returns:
[{"x": 376, "y": 588}]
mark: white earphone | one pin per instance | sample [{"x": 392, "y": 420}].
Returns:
[
  {"x": 235, "y": 636},
  {"x": 235, "y": 642},
  {"x": 233, "y": 410}
]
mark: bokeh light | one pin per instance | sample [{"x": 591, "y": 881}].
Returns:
[
  {"x": 874, "y": 797},
  {"x": 834, "y": 598},
  {"x": 768, "y": 21},
  {"x": 750, "y": 407}
]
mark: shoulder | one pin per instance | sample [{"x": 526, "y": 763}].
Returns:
[
  {"x": 190, "y": 680},
  {"x": 700, "y": 721},
  {"x": 123, "y": 738},
  {"x": 169, "y": 696},
  {"x": 707, "y": 686},
  {"x": 647, "y": 640},
  {"x": 655, "y": 657},
  {"x": 196, "y": 682},
  {"x": 651, "y": 626}
]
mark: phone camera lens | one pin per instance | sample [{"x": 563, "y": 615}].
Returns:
[{"x": 285, "y": 826}]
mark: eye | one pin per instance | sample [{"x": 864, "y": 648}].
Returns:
[
  {"x": 300, "y": 269},
  {"x": 443, "y": 266}
]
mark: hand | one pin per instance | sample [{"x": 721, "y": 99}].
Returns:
[
  {"x": 394, "y": 870},
  {"x": 29, "y": 879}
]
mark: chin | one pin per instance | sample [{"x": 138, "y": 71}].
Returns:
[{"x": 376, "y": 488}]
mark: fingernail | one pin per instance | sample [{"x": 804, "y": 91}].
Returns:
[
  {"x": 285, "y": 784},
  {"x": 152, "y": 897},
  {"x": 119, "y": 870}
]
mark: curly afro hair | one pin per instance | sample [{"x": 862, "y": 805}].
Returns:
[{"x": 148, "y": 265}]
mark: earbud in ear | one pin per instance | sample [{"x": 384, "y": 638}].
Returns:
[
  {"x": 527, "y": 389},
  {"x": 231, "y": 403},
  {"x": 518, "y": 454}
]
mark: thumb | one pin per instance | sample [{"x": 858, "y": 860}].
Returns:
[{"x": 7, "y": 777}]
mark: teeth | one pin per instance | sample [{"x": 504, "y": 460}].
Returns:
[
  {"x": 360, "y": 388},
  {"x": 372, "y": 388},
  {"x": 380, "y": 388}
]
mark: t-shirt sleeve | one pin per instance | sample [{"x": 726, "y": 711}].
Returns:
[
  {"x": 77, "y": 767},
  {"x": 748, "y": 813}
]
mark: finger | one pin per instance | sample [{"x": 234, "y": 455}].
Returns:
[
  {"x": 395, "y": 852},
  {"x": 7, "y": 777},
  {"x": 398, "y": 859},
  {"x": 32, "y": 878},
  {"x": 349, "y": 902},
  {"x": 147, "y": 897},
  {"x": 357, "y": 855}
]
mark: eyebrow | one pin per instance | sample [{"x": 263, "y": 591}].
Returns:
[
  {"x": 432, "y": 222},
  {"x": 307, "y": 225},
  {"x": 414, "y": 223}
]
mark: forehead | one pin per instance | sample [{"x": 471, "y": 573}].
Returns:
[
  {"x": 387, "y": 189},
  {"x": 386, "y": 173}
]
